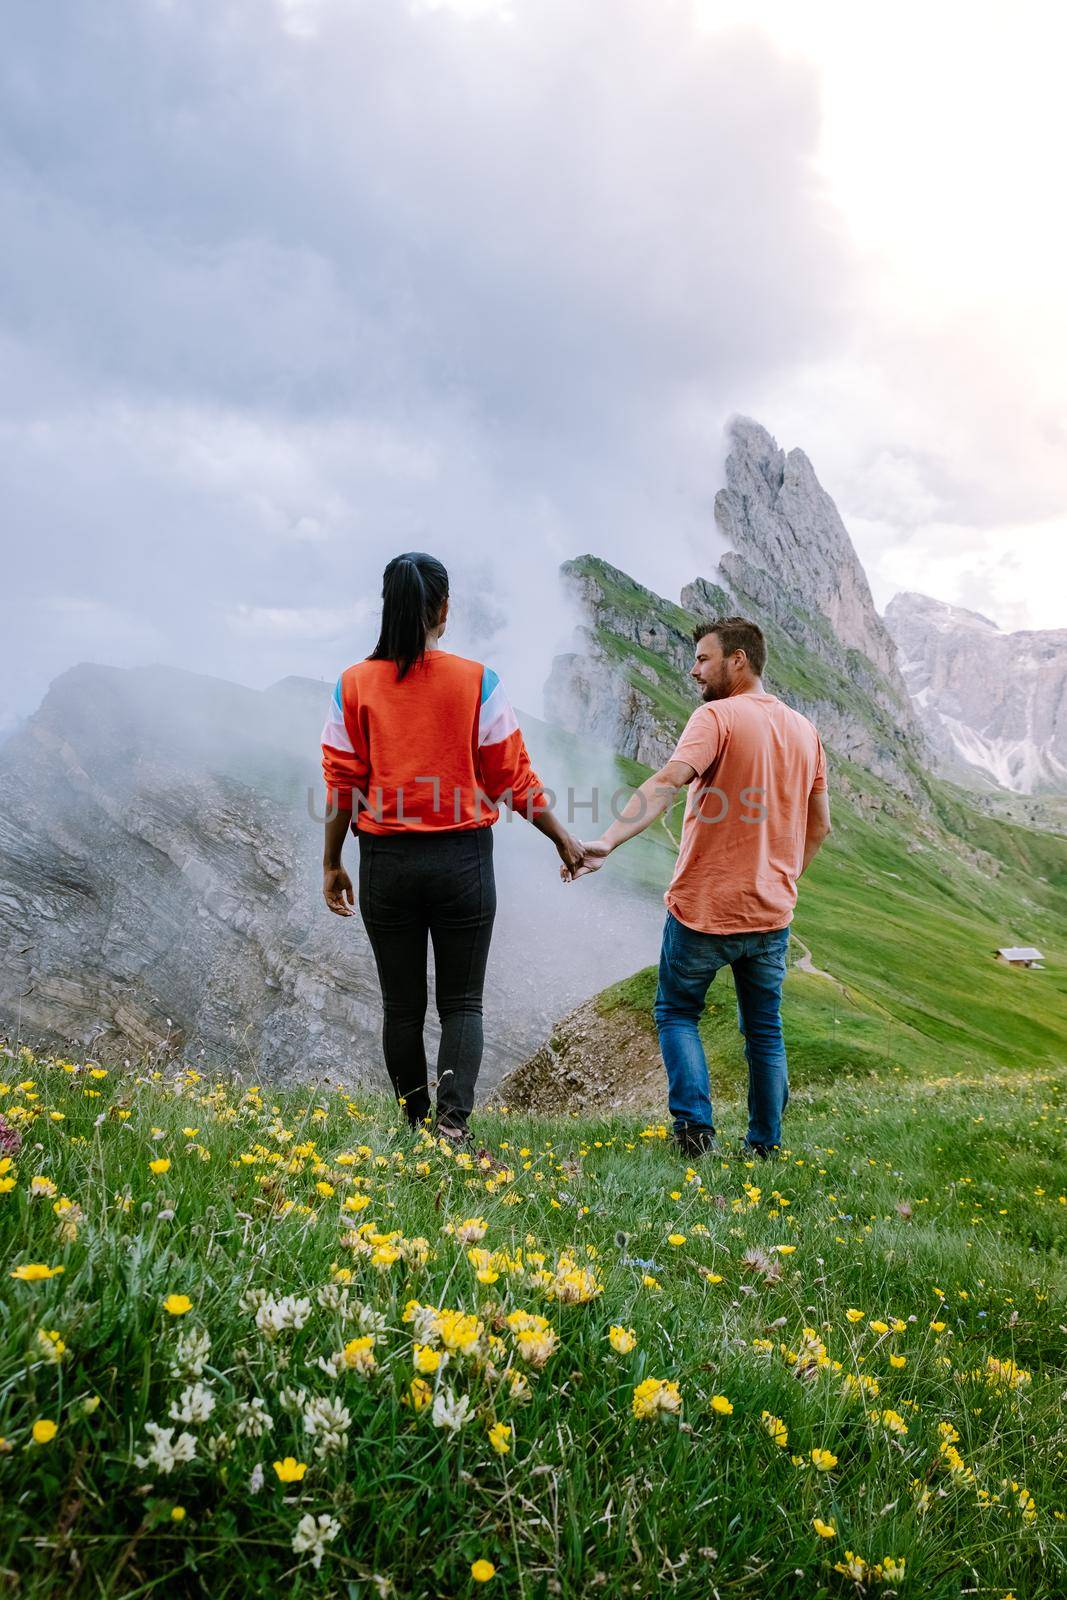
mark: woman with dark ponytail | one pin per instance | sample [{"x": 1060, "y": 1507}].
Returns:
[{"x": 419, "y": 750}]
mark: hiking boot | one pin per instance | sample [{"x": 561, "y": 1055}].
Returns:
[
  {"x": 762, "y": 1152},
  {"x": 697, "y": 1141}
]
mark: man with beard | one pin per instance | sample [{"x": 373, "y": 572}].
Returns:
[{"x": 753, "y": 822}]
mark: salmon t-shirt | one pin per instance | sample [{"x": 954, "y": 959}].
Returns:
[{"x": 757, "y": 761}]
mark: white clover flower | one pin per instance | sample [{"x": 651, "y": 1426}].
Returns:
[
  {"x": 254, "y": 1420},
  {"x": 450, "y": 1413},
  {"x": 312, "y": 1536},
  {"x": 334, "y": 1365},
  {"x": 255, "y": 1481},
  {"x": 327, "y": 1421},
  {"x": 370, "y": 1320},
  {"x": 252, "y": 1299},
  {"x": 191, "y": 1351},
  {"x": 333, "y": 1297},
  {"x": 425, "y": 1328},
  {"x": 219, "y": 1446},
  {"x": 278, "y": 1316},
  {"x": 292, "y": 1400},
  {"x": 165, "y": 1452},
  {"x": 195, "y": 1404}
]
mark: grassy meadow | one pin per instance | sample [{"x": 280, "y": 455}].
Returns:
[{"x": 254, "y": 1341}]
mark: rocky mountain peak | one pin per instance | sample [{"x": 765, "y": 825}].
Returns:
[{"x": 779, "y": 520}]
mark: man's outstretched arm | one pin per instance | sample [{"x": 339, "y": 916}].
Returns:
[{"x": 648, "y": 803}]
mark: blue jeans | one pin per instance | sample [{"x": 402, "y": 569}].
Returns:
[{"x": 688, "y": 962}]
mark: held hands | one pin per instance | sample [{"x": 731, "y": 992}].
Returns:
[
  {"x": 336, "y": 890},
  {"x": 591, "y": 858},
  {"x": 569, "y": 850}
]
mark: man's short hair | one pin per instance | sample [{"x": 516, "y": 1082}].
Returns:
[{"x": 737, "y": 633}]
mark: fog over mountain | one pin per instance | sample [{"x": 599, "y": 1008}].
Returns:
[{"x": 160, "y": 887}]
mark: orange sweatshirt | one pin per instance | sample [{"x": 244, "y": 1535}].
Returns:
[{"x": 439, "y": 749}]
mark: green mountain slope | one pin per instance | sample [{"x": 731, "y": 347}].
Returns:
[{"x": 904, "y": 908}]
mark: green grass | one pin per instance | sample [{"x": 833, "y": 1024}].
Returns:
[{"x": 931, "y": 1198}]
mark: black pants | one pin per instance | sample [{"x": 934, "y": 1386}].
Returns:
[{"x": 440, "y": 884}]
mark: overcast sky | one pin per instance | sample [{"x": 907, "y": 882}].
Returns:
[{"x": 290, "y": 285}]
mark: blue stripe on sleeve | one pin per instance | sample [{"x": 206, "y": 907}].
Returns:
[{"x": 489, "y": 683}]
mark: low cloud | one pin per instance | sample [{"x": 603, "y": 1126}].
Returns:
[{"x": 287, "y": 289}]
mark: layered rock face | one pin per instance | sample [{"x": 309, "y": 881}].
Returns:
[
  {"x": 780, "y": 522},
  {"x": 158, "y": 882},
  {"x": 793, "y": 569},
  {"x": 994, "y": 704},
  {"x": 160, "y": 890}
]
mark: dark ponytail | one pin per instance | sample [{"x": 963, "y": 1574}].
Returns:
[{"x": 414, "y": 590}]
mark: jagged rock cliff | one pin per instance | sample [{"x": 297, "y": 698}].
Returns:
[
  {"x": 993, "y": 702},
  {"x": 160, "y": 889},
  {"x": 794, "y": 570},
  {"x": 781, "y": 523}
]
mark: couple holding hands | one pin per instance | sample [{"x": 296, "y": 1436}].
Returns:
[{"x": 420, "y": 748}]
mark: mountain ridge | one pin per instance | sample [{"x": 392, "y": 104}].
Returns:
[{"x": 993, "y": 704}]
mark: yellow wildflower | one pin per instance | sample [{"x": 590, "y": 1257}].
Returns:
[
  {"x": 52, "y": 1347},
  {"x": 823, "y": 1460},
  {"x": 622, "y": 1339},
  {"x": 825, "y": 1530},
  {"x": 656, "y": 1397},
  {"x": 176, "y": 1305},
  {"x": 419, "y": 1394},
  {"x": 853, "y": 1567},
  {"x": 482, "y": 1571},
  {"x": 44, "y": 1431},
  {"x": 36, "y": 1272},
  {"x": 290, "y": 1470},
  {"x": 159, "y": 1166},
  {"x": 359, "y": 1354},
  {"x": 500, "y": 1437},
  {"x": 775, "y": 1427},
  {"x": 721, "y": 1406},
  {"x": 470, "y": 1231}
]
